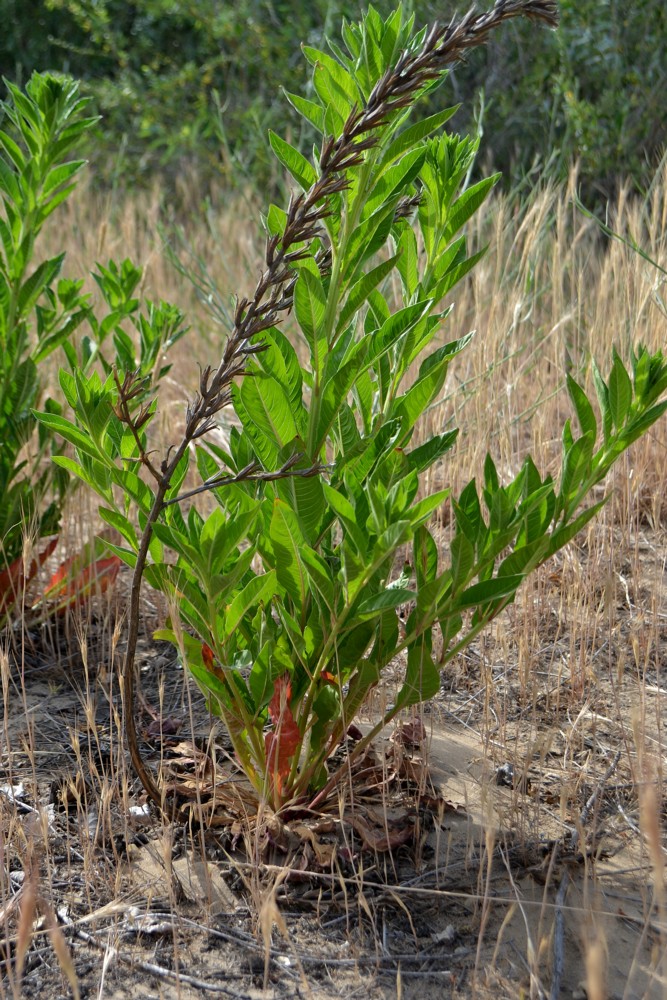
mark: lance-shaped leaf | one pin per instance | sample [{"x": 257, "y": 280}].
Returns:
[
  {"x": 584, "y": 410},
  {"x": 385, "y": 600},
  {"x": 620, "y": 392},
  {"x": 422, "y": 677},
  {"x": 310, "y": 304},
  {"x": 259, "y": 590},
  {"x": 269, "y": 410},
  {"x": 294, "y": 161},
  {"x": 287, "y": 540},
  {"x": 361, "y": 289}
]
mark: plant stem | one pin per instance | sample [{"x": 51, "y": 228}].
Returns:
[{"x": 144, "y": 774}]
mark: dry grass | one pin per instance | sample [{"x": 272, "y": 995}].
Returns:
[{"x": 568, "y": 677}]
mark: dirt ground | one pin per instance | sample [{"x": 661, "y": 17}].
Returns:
[{"x": 537, "y": 870}]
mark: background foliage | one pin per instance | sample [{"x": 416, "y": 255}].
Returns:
[{"x": 173, "y": 78}]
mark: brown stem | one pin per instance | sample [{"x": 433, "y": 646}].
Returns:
[{"x": 140, "y": 767}]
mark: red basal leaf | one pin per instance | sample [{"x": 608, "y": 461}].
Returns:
[
  {"x": 14, "y": 579},
  {"x": 285, "y": 739},
  {"x": 55, "y": 585},
  {"x": 282, "y": 692},
  {"x": 76, "y": 587},
  {"x": 10, "y": 579},
  {"x": 207, "y": 657}
]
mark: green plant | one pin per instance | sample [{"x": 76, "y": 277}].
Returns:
[
  {"x": 172, "y": 79},
  {"x": 37, "y": 312},
  {"x": 40, "y": 311},
  {"x": 183, "y": 85},
  {"x": 290, "y": 591}
]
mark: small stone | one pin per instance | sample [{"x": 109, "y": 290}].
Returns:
[{"x": 446, "y": 936}]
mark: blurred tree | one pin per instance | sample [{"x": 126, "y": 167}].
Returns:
[
  {"x": 199, "y": 81},
  {"x": 593, "y": 91}
]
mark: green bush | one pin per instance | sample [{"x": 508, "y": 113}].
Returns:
[
  {"x": 287, "y": 601},
  {"x": 591, "y": 92},
  {"x": 181, "y": 82},
  {"x": 40, "y": 312}
]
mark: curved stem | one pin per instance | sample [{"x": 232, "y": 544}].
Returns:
[{"x": 128, "y": 688}]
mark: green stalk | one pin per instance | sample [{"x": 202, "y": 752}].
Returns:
[
  {"x": 336, "y": 291},
  {"x": 305, "y": 709}
]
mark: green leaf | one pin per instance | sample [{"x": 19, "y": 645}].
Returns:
[
  {"x": 409, "y": 138},
  {"x": 395, "y": 180},
  {"x": 620, "y": 392},
  {"x": 423, "y": 509},
  {"x": 12, "y": 150},
  {"x": 85, "y": 475},
  {"x": 391, "y": 597},
  {"x": 127, "y": 555},
  {"x": 288, "y": 541},
  {"x": 281, "y": 362},
  {"x": 422, "y": 677},
  {"x": 268, "y": 406},
  {"x": 423, "y": 457},
  {"x": 463, "y": 559},
  {"x": 335, "y": 391},
  {"x": 431, "y": 379},
  {"x": 258, "y": 591},
  {"x": 563, "y": 535},
  {"x": 135, "y": 488},
  {"x": 467, "y": 204},
  {"x": 312, "y": 112},
  {"x": 576, "y": 467},
  {"x": 121, "y": 524},
  {"x": 183, "y": 545},
  {"x": 304, "y": 495},
  {"x": 293, "y": 161},
  {"x": 491, "y": 480},
  {"x": 454, "y": 274},
  {"x": 487, "y": 591},
  {"x": 321, "y": 575},
  {"x": 602, "y": 393},
  {"x": 70, "y": 432},
  {"x": 310, "y": 303},
  {"x": 332, "y": 82},
  {"x": 368, "y": 238},
  {"x": 425, "y": 555},
  {"x": 468, "y": 513},
  {"x": 583, "y": 408},
  {"x": 61, "y": 174},
  {"x": 9, "y": 185},
  {"x": 642, "y": 423},
  {"x": 345, "y": 511},
  {"x": 408, "y": 260},
  {"x": 362, "y": 289},
  {"x": 33, "y": 287},
  {"x": 400, "y": 323}
]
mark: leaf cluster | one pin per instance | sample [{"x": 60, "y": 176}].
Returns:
[
  {"x": 41, "y": 311},
  {"x": 179, "y": 83}
]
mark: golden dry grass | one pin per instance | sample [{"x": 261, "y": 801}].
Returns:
[
  {"x": 572, "y": 672},
  {"x": 551, "y": 293}
]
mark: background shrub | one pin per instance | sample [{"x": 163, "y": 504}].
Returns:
[{"x": 179, "y": 81}]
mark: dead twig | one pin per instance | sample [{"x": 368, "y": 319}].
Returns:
[{"x": 165, "y": 975}]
